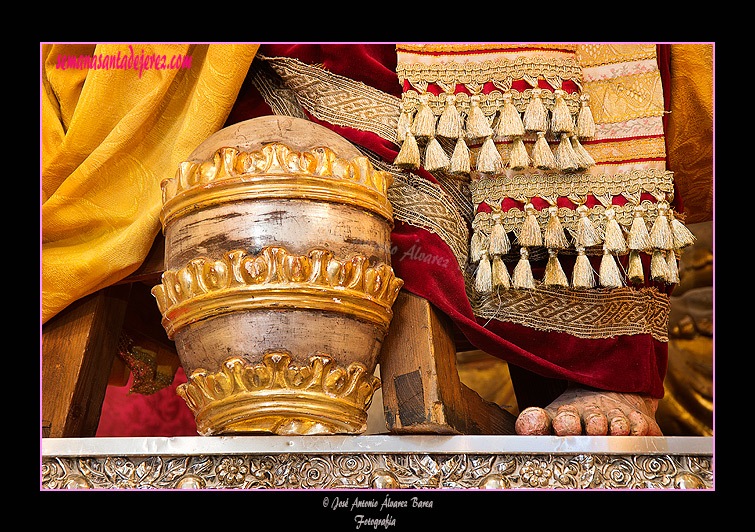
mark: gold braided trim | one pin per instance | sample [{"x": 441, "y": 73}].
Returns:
[
  {"x": 659, "y": 183},
  {"x": 337, "y": 99},
  {"x": 501, "y": 72},
  {"x": 442, "y": 48},
  {"x": 276, "y": 279},
  {"x": 584, "y": 313}
]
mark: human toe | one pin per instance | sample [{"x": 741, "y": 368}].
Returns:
[{"x": 533, "y": 421}]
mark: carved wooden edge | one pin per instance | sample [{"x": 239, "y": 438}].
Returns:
[
  {"x": 422, "y": 391},
  {"x": 78, "y": 348}
]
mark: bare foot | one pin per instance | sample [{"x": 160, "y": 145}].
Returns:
[{"x": 586, "y": 411}]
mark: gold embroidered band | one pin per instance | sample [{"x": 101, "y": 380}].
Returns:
[{"x": 593, "y": 314}]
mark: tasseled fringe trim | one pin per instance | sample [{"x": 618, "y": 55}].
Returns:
[
  {"x": 484, "y": 277},
  {"x": 554, "y": 273},
  {"x": 408, "y": 156},
  {"x": 542, "y": 155},
  {"x": 499, "y": 243},
  {"x": 478, "y": 245},
  {"x": 535, "y": 114},
  {"x": 613, "y": 240},
  {"x": 450, "y": 124},
  {"x": 582, "y": 275},
  {"x": 523, "y": 278},
  {"x": 635, "y": 272},
  {"x": 460, "y": 160},
  {"x": 673, "y": 267},
  {"x": 639, "y": 237},
  {"x": 499, "y": 274},
  {"x": 683, "y": 237},
  {"x": 417, "y": 131},
  {"x": 584, "y": 159},
  {"x": 561, "y": 120},
  {"x": 585, "y": 122},
  {"x": 424, "y": 121},
  {"x": 478, "y": 126},
  {"x": 661, "y": 235},
  {"x": 659, "y": 267},
  {"x": 510, "y": 122},
  {"x": 435, "y": 157},
  {"x": 587, "y": 234},
  {"x": 518, "y": 157},
  {"x": 566, "y": 159},
  {"x": 661, "y": 243},
  {"x": 555, "y": 236},
  {"x": 489, "y": 159},
  {"x": 529, "y": 234},
  {"x": 609, "y": 273}
]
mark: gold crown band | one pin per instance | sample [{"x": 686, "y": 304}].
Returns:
[
  {"x": 279, "y": 396},
  {"x": 275, "y": 171},
  {"x": 275, "y": 279}
]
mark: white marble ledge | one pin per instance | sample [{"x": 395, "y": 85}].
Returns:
[{"x": 377, "y": 444}]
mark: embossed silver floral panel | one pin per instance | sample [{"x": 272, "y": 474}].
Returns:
[{"x": 379, "y": 462}]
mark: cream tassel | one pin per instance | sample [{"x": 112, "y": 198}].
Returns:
[
  {"x": 660, "y": 235},
  {"x": 404, "y": 124},
  {"x": 659, "y": 267},
  {"x": 639, "y": 238},
  {"x": 566, "y": 159},
  {"x": 613, "y": 240},
  {"x": 523, "y": 278},
  {"x": 673, "y": 267},
  {"x": 610, "y": 275},
  {"x": 585, "y": 121},
  {"x": 477, "y": 246},
  {"x": 460, "y": 163},
  {"x": 561, "y": 120},
  {"x": 478, "y": 126},
  {"x": 424, "y": 121},
  {"x": 499, "y": 273},
  {"x": 554, "y": 273},
  {"x": 435, "y": 157},
  {"x": 530, "y": 234},
  {"x": 535, "y": 114},
  {"x": 542, "y": 155},
  {"x": 683, "y": 237},
  {"x": 584, "y": 159},
  {"x": 587, "y": 234},
  {"x": 489, "y": 159},
  {"x": 582, "y": 276},
  {"x": 450, "y": 122},
  {"x": 509, "y": 122},
  {"x": 499, "y": 243},
  {"x": 635, "y": 273},
  {"x": 518, "y": 156},
  {"x": 484, "y": 280},
  {"x": 408, "y": 155},
  {"x": 555, "y": 237}
]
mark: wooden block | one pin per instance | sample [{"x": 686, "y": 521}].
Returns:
[
  {"x": 78, "y": 347},
  {"x": 422, "y": 392}
]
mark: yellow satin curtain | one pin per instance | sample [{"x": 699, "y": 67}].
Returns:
[
  {"x": 109, "y": 137},
  {"x": 689, "y": 136}
]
